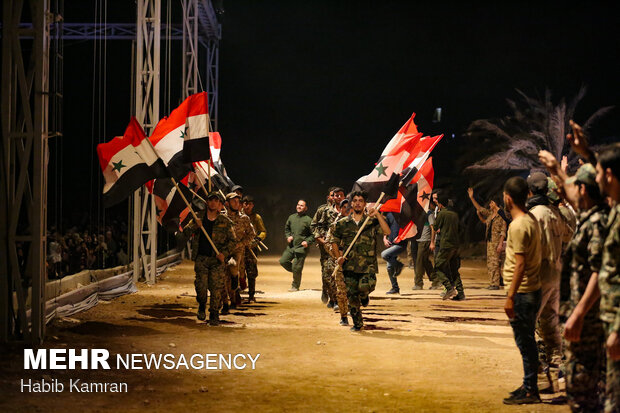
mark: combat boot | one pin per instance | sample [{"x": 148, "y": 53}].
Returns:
[
  {"x": 225, "y": 309},
  {"x": 214, "y": 318},
  {"x": 201, "y": 312},
  {"x": 344, "y": 321},
  {"x": 251, "y": 290},
  {"x": 324, "y": 296}
]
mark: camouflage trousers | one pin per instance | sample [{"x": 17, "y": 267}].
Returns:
[
  {"x": 209, "y": 278},
  {"x": 585, "y": 368},
  {"x": 359, "y": 286},
  {"x": 548, "y": 318},
  {"x": 231, "y": 280},
  {"x": 251, "y": 264},
  {"x": 341, "y": 288},
  {"x": 493, "y": 263},
  {"x": 612, "y": 383},
  {"x": 327, "y": 269}
]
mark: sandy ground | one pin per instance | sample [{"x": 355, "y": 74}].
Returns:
[{"x": 417, "y": 352}]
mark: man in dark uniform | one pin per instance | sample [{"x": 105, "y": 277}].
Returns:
[{"x": 447, "y": 260}]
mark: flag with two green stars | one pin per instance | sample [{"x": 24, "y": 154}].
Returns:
[{"x": 128, "y": 162}]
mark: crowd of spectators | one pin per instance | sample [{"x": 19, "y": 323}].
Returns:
[{"x": 79, "y": 249}]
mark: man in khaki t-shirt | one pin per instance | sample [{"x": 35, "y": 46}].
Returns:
[
  {"x": 524, "y": 238},
  {"x": 521, "y": 272}
]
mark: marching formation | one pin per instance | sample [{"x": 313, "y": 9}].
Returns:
[{"x": 555, "y": 244}]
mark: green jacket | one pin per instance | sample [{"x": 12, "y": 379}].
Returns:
[
  {"x": 362, "y": 258},
  {"x": 298, "y": 226},
  {"x": 448, "y": 222},
  {"x": 223, "y": 235}
]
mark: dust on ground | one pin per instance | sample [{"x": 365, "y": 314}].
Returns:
[{"x": 417, "y": 352}]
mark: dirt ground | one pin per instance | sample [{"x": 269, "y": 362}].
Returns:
[{"x": 417, "y": 353}]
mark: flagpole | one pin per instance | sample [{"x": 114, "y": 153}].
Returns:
[
  {"x": 263, "y": 245},
  {"x": 198, "y": 196},
  {"x": 194, "y": 215},
  {"x": 209, "y": 173}
]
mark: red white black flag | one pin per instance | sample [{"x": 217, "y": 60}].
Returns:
[
  {"x": 128, "y": 162},
  {"x": 183, "y": 135}
]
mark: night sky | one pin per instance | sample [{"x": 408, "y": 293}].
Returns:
[{"x": 311, "y": 91}]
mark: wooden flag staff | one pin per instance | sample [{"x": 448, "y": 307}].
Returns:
[{"x": 204, "y": 231}]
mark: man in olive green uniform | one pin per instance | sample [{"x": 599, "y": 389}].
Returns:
[
  {"x": 320, "y": 225},
  {"x": 298, "y": 236},
  {"x": 245, "y": 236},
  {"x": 251, "y": 252},
  {"x": 495, "y": 236},
  {"x": 584, "y": 332},
  {"x": 360, "y": 265},
  {"x": 210, "y": 268},
  {"x": 447, "y": 260}
]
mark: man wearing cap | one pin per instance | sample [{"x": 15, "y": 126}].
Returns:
[
  {"x": 245, "y": 236},
  {"x": 251, "y": 264},
  {"x": 298, "y": 236},
  {"x": 209, "y": 266},
  {"x": 554, "y": 231},
  {"x": 238, "y": 189},
  {"x": 584, "y": 330}
]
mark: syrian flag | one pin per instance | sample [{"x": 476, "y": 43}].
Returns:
[
  {"x": 187, "y": 123},
  {"x": 127, "y": 163},
  {"x": 412, "y": 203},
  {"x": 169, "y": 204},
  {"x": 202, "y": 171},
  {"x": 404, "y": 155},
  {"x": 196, "y": 138}
]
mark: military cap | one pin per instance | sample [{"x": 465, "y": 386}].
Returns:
[
  {"x": 232, "y": 195},
  {"x": 551, "y": 194},
  {"x": 237, "y": 188},
  {"x": 537, "y": 182},
  {"x": 248, "y": 198},
  {"x": 344, "y": 202},
  {"x": 586, "y": 174},
  {"x": 215, "y": 194}
]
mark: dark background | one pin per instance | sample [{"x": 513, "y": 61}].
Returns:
[{"x": 311, "y": 91}]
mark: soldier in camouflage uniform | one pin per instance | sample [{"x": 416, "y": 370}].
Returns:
[
  {"x": 251, "y": 263},
  {"x": 245, "y": 236},
  {"x": 341, "y": 287},
  {"x": 209, "y": 267},
  {"x": 360, "y": 266},
  {"x": 584, "y": 332},
  {"x": 608, "y": 179},
  {"x": 495, "y": 236},
  {"x": 319, "y": 227}
]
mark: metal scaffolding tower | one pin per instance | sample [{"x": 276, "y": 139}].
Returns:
[
  {"x": 25, "y": 99},
  {"x": 23, "y": 197}
]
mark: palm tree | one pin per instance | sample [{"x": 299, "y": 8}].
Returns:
[{"x": 534, "y": 124}]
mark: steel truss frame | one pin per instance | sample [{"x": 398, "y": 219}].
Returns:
[{"x": 23, "y": 166}]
